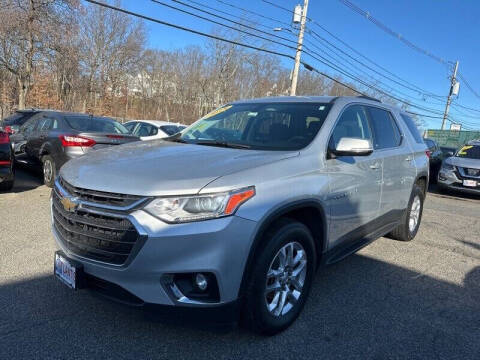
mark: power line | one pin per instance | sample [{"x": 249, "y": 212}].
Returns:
[
  {"x": 224, "y": 18},
  {"x": 411, "y": 86},
  {"x": 315, "y": 34},
  {"x": 324, "y": 61},
  {"x": 222, "y": 24},
  {"x": 253, "y": 13},
  {"x": 279, "y": 6},
  {"x": 460, "y": 75},
  {"x": 307, "y": 66},
  {"x": 415, "y": 87},
  {"x": 466, "y": 107},
  {"x": 356, "y": 69},
  {"x": 391, "y": 32},
  {"x": 148, "y": 18},
  {"x": 235, "y": 16},
  {"x": 188, "y": 29}
]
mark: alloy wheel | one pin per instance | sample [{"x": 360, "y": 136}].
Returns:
[
  {"x": 414, "y": 214},
  {"x": 47, "y": 171},
  {"x": 285, "y": 278}
]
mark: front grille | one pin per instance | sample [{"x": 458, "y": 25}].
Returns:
[
  {"x": 100, "y": 197},
  {"x": 93, "y": 236},
  {"x": 471, "y": 172}
]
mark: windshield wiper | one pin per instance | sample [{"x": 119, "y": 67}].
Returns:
[
  {"x": 175, "y": 138},
  {"x": 179, "y": 140},
  {"x": 225, "y": 144}
]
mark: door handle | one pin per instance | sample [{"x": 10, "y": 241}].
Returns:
[
  {"x": 409, "y": 158},
  {"x": 375, "y": 166}
]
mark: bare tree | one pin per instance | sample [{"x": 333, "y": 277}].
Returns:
[
  {"x": 110, "y": 45},
  {"x": 26, "y": 31}
]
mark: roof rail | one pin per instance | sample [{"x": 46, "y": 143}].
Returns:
[
  {"x": 334, "y": 99},
  {"x": 369, "y": 98}
]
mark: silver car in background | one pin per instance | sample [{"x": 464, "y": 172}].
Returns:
[
  {"x": 153, "y": 129},
  {"x": 240, "y": 209},
  {"x": 461, "y": 172}
]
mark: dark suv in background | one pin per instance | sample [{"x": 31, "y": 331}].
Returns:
[
  {"x": 11, "y": 124},
  {"x": 436, "y": 158},
  {"x": 51, "y": 138},
  {"x": 7, "y": 173}
]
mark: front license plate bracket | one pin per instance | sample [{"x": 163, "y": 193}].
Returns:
[{"x": 68, "y": 271}]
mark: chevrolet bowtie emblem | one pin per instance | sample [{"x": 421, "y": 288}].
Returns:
[{"x": 69, "y": 203}]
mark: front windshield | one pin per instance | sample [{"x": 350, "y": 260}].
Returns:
[
  {"x": 470, "y": 152},
  {"x": 268, "y": 126}
]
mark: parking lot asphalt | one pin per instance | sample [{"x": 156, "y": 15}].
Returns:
[{"x": 416, "y": 300}]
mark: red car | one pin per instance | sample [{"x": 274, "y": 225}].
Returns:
[{"x": 7, "y": 173}]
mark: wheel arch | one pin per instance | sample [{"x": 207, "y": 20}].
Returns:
[
  {"x": 45, "y": 149},
  {"x": 422, "y": 181},
  {"x": 305, "y": 211}
]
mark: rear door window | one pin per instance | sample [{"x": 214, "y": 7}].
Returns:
[
  {"x": 145, "y": 129},
  {"x": 385, "y": 130},
  {"x": 29, "y": 126},
  {"x": 44, "y": 124},
  {"x": 130, "y": 126},
  {"x": 412, "y": 128},
  {"x": 353, "y": 123}
]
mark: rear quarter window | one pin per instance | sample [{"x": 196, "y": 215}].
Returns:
[
  {"x": 412, "y": 128},
  {"x": 18, "y": 118},
  {"x": 385, "y": 130}
]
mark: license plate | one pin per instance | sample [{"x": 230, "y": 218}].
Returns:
[
  {"x": 65, "y": 271},
  {"x": 470, "y": 183}
]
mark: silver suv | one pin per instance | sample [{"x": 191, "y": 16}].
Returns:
[
  {"x": 462, "y": 171},
  {"x": 240, "y": 209}
]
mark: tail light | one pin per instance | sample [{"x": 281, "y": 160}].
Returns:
[
  {"x": 76, "y": 140},
  {"x": 428, "y": 153},
  {"x": 9, "y": 130},
  {"x": 4, "y": 138}
]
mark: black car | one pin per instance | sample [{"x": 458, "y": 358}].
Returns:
[
  {"x": 50, "y": 138},
  {"x": 11, "y": 124},
  {"x": 7, "y": 173},
  {"x": 436, "y": 158}
]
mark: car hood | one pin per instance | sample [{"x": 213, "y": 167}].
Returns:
[
  {"x": 463, "y": 162},
  {"x": 157, "y": 167}
]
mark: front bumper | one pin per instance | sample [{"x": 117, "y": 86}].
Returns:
[
  {"x": 451, "y": 181},
  {"x": 219, "y": 246}
]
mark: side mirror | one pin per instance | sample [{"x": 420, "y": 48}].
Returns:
[
  {"x": 353, "y": 147},
  {"x": 450, "y": 153}
]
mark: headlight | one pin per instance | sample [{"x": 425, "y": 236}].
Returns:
[
  {"x": 198, "y": 207},
  {"x": 448, "y": 167}
]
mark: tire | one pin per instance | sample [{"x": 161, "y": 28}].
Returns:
[
  {"x": 285, "y": 235},
  {"x": 405, "y": 232},
  {"x": 7, "y": 185},
  {"x": 49, "y": 170}
]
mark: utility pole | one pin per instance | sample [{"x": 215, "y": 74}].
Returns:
[
  {"x": 296, "y": 67},
  {"x": 453, "y": 91}
]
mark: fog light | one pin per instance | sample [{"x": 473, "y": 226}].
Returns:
[{"x": 201, "y": 281}]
